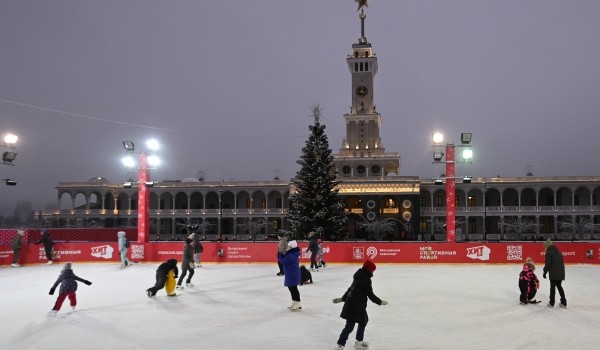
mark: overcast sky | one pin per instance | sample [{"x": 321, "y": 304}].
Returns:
[{"x": 226, "y": 86}]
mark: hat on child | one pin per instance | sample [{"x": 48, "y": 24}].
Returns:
[
  {"x": 292, "y": 244},
  {"x": 547, "y": 243},
  {"x": 369, "y": 266},
  {"x": 67, "y": 266}
]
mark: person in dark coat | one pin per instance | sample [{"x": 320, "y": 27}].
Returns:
[
  {"x": 555, "y": 266},
  {"x": 16, "y": 247},
  {"x": 355, "y": 305},
  {"x": 161, "y": 276},
  {"x": 198, "y": 247},
  {"x": 46, "y": 240},
  {"x": 313, "y": 247},
  {"x": 187, "y": 264},
  {"x": 282, "y": 247},
  {"x": 305, "y": 276},
  {"x": 291, "y": 268},
  {"x": 68, "y": 288}
]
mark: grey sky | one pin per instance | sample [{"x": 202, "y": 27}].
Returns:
[{"x": 226, "y": 86}]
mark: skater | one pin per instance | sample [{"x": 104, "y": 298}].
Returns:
[
  {"x": 305, "y": 276},
  {"x": 123, "y": 248},
  {"x": 46, "y": 240},
  {"x": 555, "y": 266},
  {"x": 161, "y": 276},
  {"x": 313, "y": 247},
  {"x": 320, "y": 254},
  {"x": 187, "y": 264},
  {"x": 291, "y": 268},
  {"x": 16, "y": 247},
  {"x": 68, "y": 288},
  {"x": 281, "y": 249},
  {"x": 528, "y": 283},
  {"x": 355, "y": 306},
  {"x": 198, "y": 248}
]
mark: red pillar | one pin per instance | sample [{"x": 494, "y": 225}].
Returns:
[
  {"x": 450, "y": 195},
  {"x": 143, "y": 200}
]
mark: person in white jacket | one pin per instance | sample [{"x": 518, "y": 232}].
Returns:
[{"x": 123, "y": 248}]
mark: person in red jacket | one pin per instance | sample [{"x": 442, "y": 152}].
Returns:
[{"x": 355, "y": 306}]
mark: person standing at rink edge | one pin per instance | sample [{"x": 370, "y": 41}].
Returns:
[
  {"x": 16, "y": 247},
  {"x": 555, "y": 266},
  {"x": 123, "y": 249}
]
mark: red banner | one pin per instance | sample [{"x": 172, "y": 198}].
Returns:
[{"x": 334, "y": 252}]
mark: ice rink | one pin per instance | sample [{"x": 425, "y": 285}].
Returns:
[{"x": 244, "y": 307}]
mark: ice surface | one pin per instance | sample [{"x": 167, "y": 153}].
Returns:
[{"x": 244, "y": 307}]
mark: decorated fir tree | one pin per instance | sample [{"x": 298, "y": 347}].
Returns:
[{"x": 315, "y": 205}]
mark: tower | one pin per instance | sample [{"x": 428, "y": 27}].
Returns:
[{"x": 362, "y": 153}]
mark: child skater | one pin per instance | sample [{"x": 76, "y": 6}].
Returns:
[
  {"x": 68, "y": 286},
  {"x": 528, "y": 283},
  {"x": 355, "y": 306},
  {"x": 320, "y": 254},
  {"x": 305, "y": 276},
  {"x": 161, "y": 276},
  {"x": 291, "y": 269}
]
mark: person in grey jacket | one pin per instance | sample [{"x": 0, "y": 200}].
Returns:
[
  {"x": 187, "y": 265},
  {"x": 123, "y": 249},
  {"x": 555, "y": 266},
  {"x": 16, "y": 247},
  {"x": 282, "y": 247}
]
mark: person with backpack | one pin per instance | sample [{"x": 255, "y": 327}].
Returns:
[{"x": 124, "y": 245}]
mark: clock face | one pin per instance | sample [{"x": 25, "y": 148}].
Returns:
[{"x": 362, "y": 91}]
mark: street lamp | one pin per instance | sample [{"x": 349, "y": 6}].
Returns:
[
  {"x": 9, "y": 141},
  {"x": 467, "y": 154},
  {"x": 146, "y": 161},
  {"x": 220, "y": 226}
]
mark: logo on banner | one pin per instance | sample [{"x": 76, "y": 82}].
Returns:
[
  {"x": 103, "y": 251},
  {"x": 358, "y": 253},
  {"x": 479, "y": 253},
  {"x": 371, "y": 252}
]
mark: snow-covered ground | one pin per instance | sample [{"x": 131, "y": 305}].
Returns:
[{"x": 244, "y": 307}]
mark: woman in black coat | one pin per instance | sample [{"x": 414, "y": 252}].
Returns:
[
  {"x": 355, "y": 305},
  {"x": 555, "y": 266},
  {"x": 48, "y": 243}
]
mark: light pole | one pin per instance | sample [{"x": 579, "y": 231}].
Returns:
[
  {"x": 8, "y": 157},
  {"x": 146, "y": 161},
  {"x": 467, "y": 154},
  {"x": 221, "y": 212}
]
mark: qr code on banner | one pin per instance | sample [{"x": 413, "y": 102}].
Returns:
[
  {"x": 137, "y": 251},
  {"x": 514, "y": 252}
]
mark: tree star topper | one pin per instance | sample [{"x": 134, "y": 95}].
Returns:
[{"x": 361, "y": 4}]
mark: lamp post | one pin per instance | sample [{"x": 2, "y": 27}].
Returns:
[
  {"x": 146, "y": 161},
  {"x": 220, "y": 226},
  {"x": 437, "y": 139}
]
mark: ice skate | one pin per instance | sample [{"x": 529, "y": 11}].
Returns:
[
  {"x": 49, "y": 262},
  {"x": 15, "y": 265},
  {"x": 338, "y": 347},
  {"x": 564, "y": 306},
  {"x": 550, "y": 305},
  {"x": 291, "y": 306},
  {"x": 189, "y": 284},
  {"x": 179, "y": 287},
  {"x": 361, "y": 345},
  {"x": 296, "y": 306},
  {"x": 149, "y": 293},
  {"x": 52, "y": 312},
  {"x": 73, "y": 308}
]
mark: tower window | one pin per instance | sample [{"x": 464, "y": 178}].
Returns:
[
  {"x": 366, "y": 66},
  {"x": 361, "y": 66},
  {"x": 356, "y": 66}
]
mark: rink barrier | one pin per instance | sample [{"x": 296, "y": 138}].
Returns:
[{"x": 333, "y": 252}]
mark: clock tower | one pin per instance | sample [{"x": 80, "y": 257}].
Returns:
[{"x": 362, "y": 153}]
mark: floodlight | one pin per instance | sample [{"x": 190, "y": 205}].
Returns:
[
  {"x": 438, "y": 138},
  {"x": 128, "y": 162},
  {"x": 152, "y": 145},
  {"x": 467, "y": 180},
  {"x": 10, "y": 139},
  {"x": 437, "y": 156},
  {"x": 438, "y": 181},
  {"x": 127, "y": 184},
  {"x": 10, "y": 182},
  {"x": 8, "y": 157},
  {"x": 465, "y": 138},
  {"x": 153, "y": 161},
  {"x": 129, "y": 146},
  {"x": 467, "y": 153},
  {"x": 149, "y": 183}
]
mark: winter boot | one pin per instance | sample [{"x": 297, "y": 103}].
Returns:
[
  {"x": 296, "y": 306},
  {"x": 361, "y": 345}
]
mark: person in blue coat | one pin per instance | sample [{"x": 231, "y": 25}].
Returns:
[{"x": 291, "y": 269}]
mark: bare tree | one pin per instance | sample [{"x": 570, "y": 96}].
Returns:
[
  {"x": 376, "y": 229},
  {"x": 251, "y": 226},
  {"x": 578, "y": 225},
  {"x": 516, "y": 227}
]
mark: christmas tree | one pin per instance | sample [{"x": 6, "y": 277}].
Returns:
[{"x": 315, "y": 205}]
